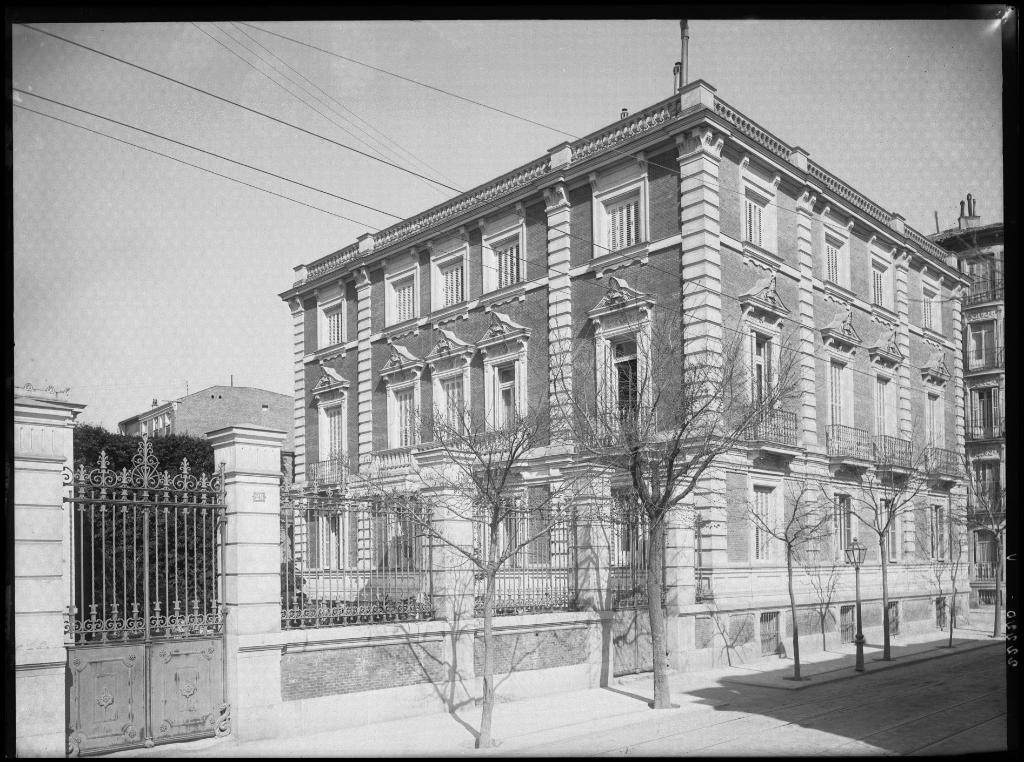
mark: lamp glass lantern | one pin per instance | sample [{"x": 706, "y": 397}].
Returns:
[{"x": 855, "y": 552}]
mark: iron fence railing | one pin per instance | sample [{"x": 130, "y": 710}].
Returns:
[
  {"x": 327, "y": 473},
  {"x": 770, "y": 642},
  {"x": 993, "y": 430},
  {"x": 992, "y": 358},
  {"x": 942, "y": 462},
  {"x": 985, "y": 291},
  {"x": 848, "y": 442},
  {"x": 347, "y": 562},
  {"x": 893, "y": 451},
  {"x": 776, "y": 426},
  {"x": 847, "y": 624},
  {"x": 540, "y": 575}
]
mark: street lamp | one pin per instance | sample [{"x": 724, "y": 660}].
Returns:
[{"x": 855, "y": 553}]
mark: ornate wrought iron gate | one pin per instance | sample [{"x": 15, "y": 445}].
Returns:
[{"x": 145, "y": 621}]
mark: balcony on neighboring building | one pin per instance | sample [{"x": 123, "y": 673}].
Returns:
[
  {"x": 990, "y": 359},
  {"x": 942, "y": 464},
  {"x": 893, "y": 454},
  {"x": 773, "y": 432},
  {"x": 991, "y": 430},
  {"x": 985, "y": 501},
  {"x": 984, "y": 572},
  {"x": 331, "y": 472},
  {"x": 396, "y": 461},
  {"x": 985, "y": 291},
  {"x": 848, "y": 446}
]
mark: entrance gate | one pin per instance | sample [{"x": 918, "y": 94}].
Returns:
[
  {"x": 145, "y": 622},
  {"x": 631, "y": 625}
]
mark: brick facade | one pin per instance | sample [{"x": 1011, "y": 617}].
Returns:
[{"x": 540, "y": 649}]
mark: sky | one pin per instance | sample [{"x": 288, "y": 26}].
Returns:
[{"x": 138, "y": 277}]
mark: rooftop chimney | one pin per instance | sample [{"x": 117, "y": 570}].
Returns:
[
  {"x": 675, "y": 76},
  {"x": 624, "y": 113},
  {"x": 971, "y": 218},
  {"x": 684, "y": 31},
  {"x": 154, "y": 403}
]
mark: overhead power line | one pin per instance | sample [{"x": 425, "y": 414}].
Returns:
[
  {"x": 238, "y": 105},
  {"x": 190, "y": 164},
  {"x": 203, "y": 150}
]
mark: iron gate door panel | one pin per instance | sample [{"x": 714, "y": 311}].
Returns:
[
  {"x": 187, "y": 688},
  {"x": 107, "y": 697},
  {"x": 631, "y": 641}
]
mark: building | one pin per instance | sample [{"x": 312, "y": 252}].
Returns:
[
  {"x": 978, "y": 251},
  {"x": 214, "y": 408},
  {"x": 472, "y": 300}
]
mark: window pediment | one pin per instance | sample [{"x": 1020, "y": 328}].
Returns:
[
  {"x": 935, "y": 371},
  {"x": 449, "y": 352},
  {"x": 621, "y": 304},
  {"x": 331, "y": 385},
  {"x": 840, "y": 333},
  {"x": 885, "y": 351},
  {"x": 763, "y": 302},
  {"x": 503, "y": 336},
  {"x": 402, "y": 365}
]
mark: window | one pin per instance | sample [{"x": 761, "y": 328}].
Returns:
[
  {"x": 404, "y": 428},
  {"x": 843, "y": 522},
  {"x": 451, "y": 284},
  {"x": 505, "y": 395},
  {"x": 878, "y": 272},
  {"x": 836, "y": 390},
  {"x": 935, "y": 420},
  {"x": 333, "y": 325},
  {"x": 332, "y": 435},
  {"x": 983, "y": 411},
  {"x": 937, "y": 532},
  {"x": 833, "y": 248},
  {"x": 892, "y": 546},
  {"x": 982, "y": 344},
  {"x": 882, "y": 423},
  {"x": 330, "y": 540},
  {"x": 402, "y": 303},
  {"x": 452, "y": 402},
  {"x": 754, "y": 211},
  {"x": 507, "y": 262},
  {"x": 622, "y": 220},
  {"x": 763, "y": 512},
  {"x": 624, "y": 357},
  {"x": 931, "y": 314},
  {"x": 762, "y": 367}
]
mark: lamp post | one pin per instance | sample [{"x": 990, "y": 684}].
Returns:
[{"x": 855, "y": 553}]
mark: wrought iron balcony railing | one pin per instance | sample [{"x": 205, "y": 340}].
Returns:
[
  {"x": 327, "y": 473},
  {"x": 848, "y": 442},
  {"x": 990, "y": 359},
  {"x": 984, "y": 572},
  {"x": 985, "y": 291},
  {"x": 893, "y": 452},
  {"x": 776, "y": 426},
  {"x": 993, "y": 430},
  {"x": 942, "y": 462}
]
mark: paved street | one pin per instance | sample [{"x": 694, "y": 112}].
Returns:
[{"x": 929, "y": 700}]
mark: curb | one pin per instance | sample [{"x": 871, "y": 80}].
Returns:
[{"x": 937, "y": 652}]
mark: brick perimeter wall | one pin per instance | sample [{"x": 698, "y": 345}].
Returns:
[
  {"x": 351, "y": 670},
  {"x": 533, "y": 650}
]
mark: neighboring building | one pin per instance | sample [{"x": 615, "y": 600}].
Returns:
[
  {"x": 978, "y": 250},
  {"x": 214, "y": 408},
  {"x": 469, "y": 300}
]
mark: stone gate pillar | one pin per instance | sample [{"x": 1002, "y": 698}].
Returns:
[
  {"x": 252, "y": 575},
  {"x": 43, "y": 445}
]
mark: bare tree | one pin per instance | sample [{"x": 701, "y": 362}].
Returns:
[
  {"x": 657, "y": 418},
  {"x": 883, "y": 499},
  {"x": 823, "y": 571},
  {"x": 477, "y": 479},
  {"x": 986, "y": 512},
  {"x": 805, "y": 521},
  {"x": 941, "y": 539}
]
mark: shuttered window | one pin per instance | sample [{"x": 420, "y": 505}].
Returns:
[
  {"x": 506, "y": 257},
  {"x": 406, "y": 413},
  {"x": 451, "y": 284},
  {"x": 452, "y": 399},
  {"x": 623, "y": 221},
  {"x": 405, "y": 305},
  {"x": 335, "y": 442},
  {"x": 934, "y": 421},
  {"x": 835, "y": 393},
  {"x": 762, "y": 509},
  {"x": 892, "y": 547},
  {"x": 878, "y": 273},
  {"x": 832, "y": 260},
  {"x": 333, "y": 319},
  {"x": 881, "y": 406},
  {"x": 843, "y": 521},
  {"x": 754, "y": 218},
  {"x": 929, "y": 303}
]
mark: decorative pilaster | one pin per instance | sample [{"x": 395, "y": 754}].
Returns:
[
  {"x": 42, "y": 574},
  {"x": 902, "y": 264},
  {"x": 805, "y": 314},
  {"x": 252, "y": 574},
  {"x": 559, "y": 311},
  {"x": 364, "y": 365},
  {"x": 299, "y": 387},
  {"x": 958, "y": 292}
]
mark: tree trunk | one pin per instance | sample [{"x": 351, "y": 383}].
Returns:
[
  {"x": 952, "y": 613},
  {"x": 999, "y": 575},
  {"x": 792, "y": 614},
  {"x": 885, "y": 599},
  {"x": 659, "y": 650},
  {"x": 484, "y": 740}
]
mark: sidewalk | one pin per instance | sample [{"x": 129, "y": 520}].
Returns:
[{"x": 530, "y": 726}]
